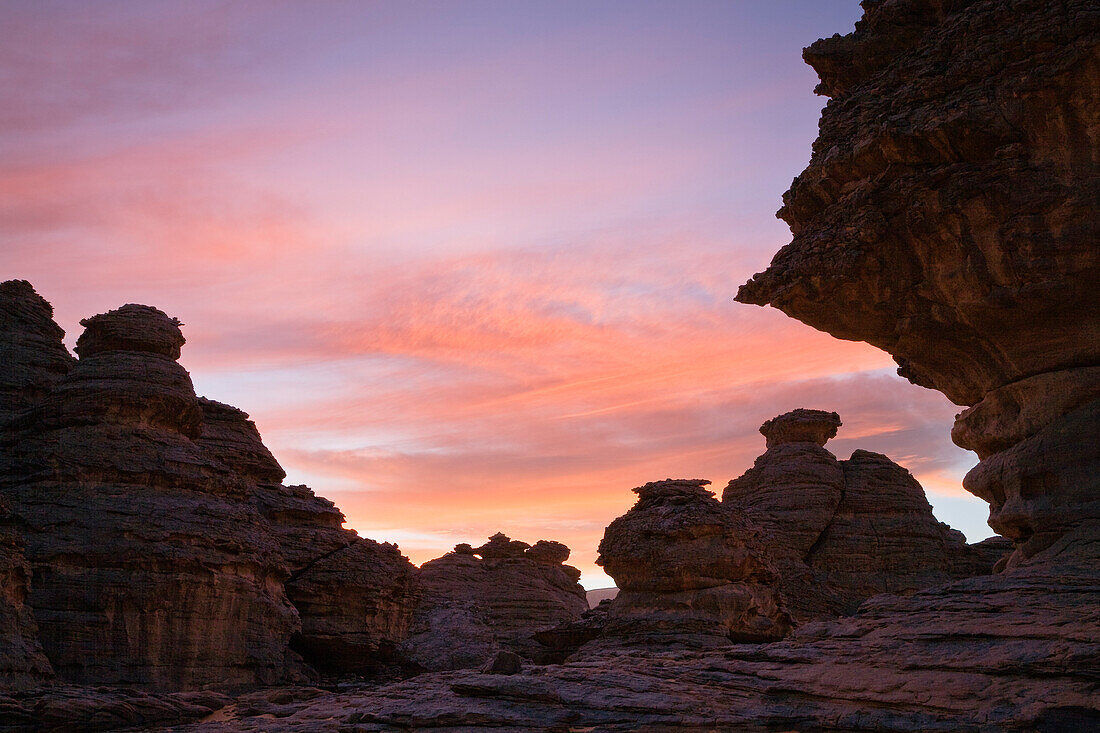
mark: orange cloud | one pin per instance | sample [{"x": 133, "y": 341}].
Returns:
[{"x": 463, "y": 284}]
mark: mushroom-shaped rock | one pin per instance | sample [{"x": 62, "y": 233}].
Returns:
[
  {"x": 132, "y": 327},
  {"x": 127, "y": 375},
  {"x": 948, "y": 216},
  {"x": 842, "y": 531},
  {"x": 801, "y": 426},
  {"x": 689, "y": 570}
]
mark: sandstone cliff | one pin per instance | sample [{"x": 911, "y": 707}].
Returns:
[
  {"x": 355, "y": 597},
  {"x": 948, "y": 216},
  {"x": 161, "y": 548},
  {"x": 32, "y": 357},
  {"x": 149, "y": 565},
  {"x": 22, "y": 663}
]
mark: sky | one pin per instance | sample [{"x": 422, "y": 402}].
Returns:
[{"x": 469, "y": 266}]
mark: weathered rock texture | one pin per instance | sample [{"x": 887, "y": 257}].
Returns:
[
  {"x": 22, "y": 663},
  {"x": 61, "y": 708},
  {"x": 843, "y": 531},
  {"x": 149, "y": 563},
  {"x": 948, "y": 216},
  {"x": 1014, "y": 652},
  {"x": 32, "y": 357},
  {"x": 477, "y": 601},
  {"x": 165, "y": 550},
  {"x": 689, "y": 570},
  {"x": 355, "y": 596}
]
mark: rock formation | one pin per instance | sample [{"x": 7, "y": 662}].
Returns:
[
  {"x": 1014, "y": 652},
  {"x": 477, "y": 601},
  {"x": 32, "y": 357},
  {"x": 165, "y": 550},
  {"x": 149, "y": 564},
  {"x": 22, "y": 663},
  {"x": 948, "y": 216},
  {"x": 843, "y": 531},
  {"x": 355, "y": 596},
  {"x": 689, "y": 570}
]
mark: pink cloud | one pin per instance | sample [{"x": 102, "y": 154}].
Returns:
[{"x": 460, "y": 287}]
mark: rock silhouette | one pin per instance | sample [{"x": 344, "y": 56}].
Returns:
[
  {"x": 160, "y": 546},
  {"x": 32, "y": 357}
]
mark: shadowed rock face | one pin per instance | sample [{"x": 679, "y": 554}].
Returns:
[
  {"x": 479, "y": 600},
  {"x": 22, "y": 663},
  {"x": 32, "y": 357},
  {"x": 354, "y": 596},
  {"x": 164, "y": 548},
  {"x": 150, "y": 566},
  {"x": 843, "y": 531},
  {"x": 948, "y": 216},
  {"x": 689, "y": 570}
]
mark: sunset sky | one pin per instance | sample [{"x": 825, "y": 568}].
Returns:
[{"x": 469, "y": 265}]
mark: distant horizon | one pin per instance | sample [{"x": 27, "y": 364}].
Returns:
[{"x": 469, "y": 269}]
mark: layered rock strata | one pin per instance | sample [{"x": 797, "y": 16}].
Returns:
[
  {"x": 948, "y": 216},
  {"x": 22, "y": 663},
  {"x": 32, "y": 356},
  {"x": 477, "y": 601},
  {"x": 690, "y": 570},
  {"x": 164, "y": 547},
  {"x": 355, "y": 597},
  {"x": 150, "y": 566},
  {"x": 1013, "y": 652},
  {"x": 843, "y": 531}
]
